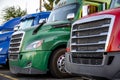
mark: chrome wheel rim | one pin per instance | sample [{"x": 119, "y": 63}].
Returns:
[{"x": 61, "y": 64}]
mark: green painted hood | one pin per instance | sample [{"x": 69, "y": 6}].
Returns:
[{"x": 43, "y": 32}]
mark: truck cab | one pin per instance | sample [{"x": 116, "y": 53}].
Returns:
[
  {"x": 94, "y": 46},
  {"x": 41, "y": 49},
  {"x": 6, "y": 31}
]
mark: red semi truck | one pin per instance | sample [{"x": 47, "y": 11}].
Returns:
[{"x": 94, "y": 47}]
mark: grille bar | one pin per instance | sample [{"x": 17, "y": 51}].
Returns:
[
  {"x": 91, "y": 24},
  {"x": 89, "y": 44},
  {"x": 13, "y": 52},
  {"x": 101, "y": 34},
  {"x": 13, "y": 47},
  {"x": 98, "y": 27},
  {"x": 99, "y": 50},
  {"x": 15, "y": 43}
]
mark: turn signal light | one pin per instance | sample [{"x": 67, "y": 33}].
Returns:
[{"x": 68, "y": 49}]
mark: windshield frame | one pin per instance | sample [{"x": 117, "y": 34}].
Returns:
[{"x": 60, "y": 8}]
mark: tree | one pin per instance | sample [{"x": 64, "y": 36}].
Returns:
[
  {"x": 49, "y": 4},
  {"x": 12, "y": 12}
]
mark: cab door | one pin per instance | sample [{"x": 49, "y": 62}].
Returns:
[{"x": 92, "y": 7}]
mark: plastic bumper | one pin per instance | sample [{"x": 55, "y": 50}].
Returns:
[
  {"x": 108, "y": 71},
  {"x": 30, "y": 70},
  {"x": 30, "y": 63}
]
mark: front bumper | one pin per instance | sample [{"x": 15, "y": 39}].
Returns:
[
  {"x": 32, "y": 62},
  {"x": 28, "y": 70},
  {"x": 106, "y": 70}
]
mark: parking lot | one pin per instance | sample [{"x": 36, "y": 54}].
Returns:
[{"x": 5, "y": 74}]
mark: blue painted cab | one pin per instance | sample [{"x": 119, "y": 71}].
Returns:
[{"x": 6, "y": 31}]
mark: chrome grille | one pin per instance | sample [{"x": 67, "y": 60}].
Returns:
[
  {"x": 88, "y": 41},
  {"x": 15, "y": 44}
]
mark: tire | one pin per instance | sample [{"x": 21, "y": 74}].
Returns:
[{"x": 57, "y": 64}]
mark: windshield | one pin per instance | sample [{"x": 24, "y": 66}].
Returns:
[
  {"x": 60, "y": 14},
  {"x": 26, "y": 24},
  {"x": 115, "y": 4}
]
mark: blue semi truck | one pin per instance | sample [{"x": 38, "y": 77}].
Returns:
[
  {"x": 8, "y": 28},
  {"x": 6, "y": 31}
]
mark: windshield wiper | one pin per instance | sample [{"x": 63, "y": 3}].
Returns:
[{"x": 39, "y": 26}]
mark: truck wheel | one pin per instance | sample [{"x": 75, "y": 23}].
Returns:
[{"x": 57, "y": 64}]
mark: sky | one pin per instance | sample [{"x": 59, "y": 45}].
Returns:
[{"x": 30, "y": 5}]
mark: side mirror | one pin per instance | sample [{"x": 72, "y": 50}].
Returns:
[
  {"x": 16, "y": 27},
  {"x": 42, "y": 21},
  {"x": 71, "y": 16}
]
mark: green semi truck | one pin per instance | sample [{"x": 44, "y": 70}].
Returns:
[{"x": 41, "y": 49}]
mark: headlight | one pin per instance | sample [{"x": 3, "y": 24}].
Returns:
[{"x": 34, "y": 45}]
